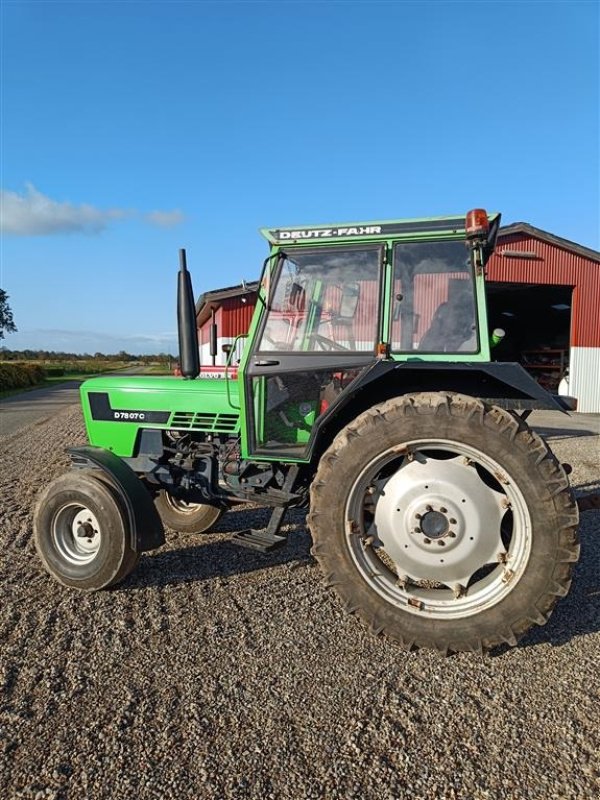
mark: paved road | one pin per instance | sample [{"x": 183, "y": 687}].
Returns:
[{"x": 38, "y": 405}]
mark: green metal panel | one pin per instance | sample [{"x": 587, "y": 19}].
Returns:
[
  {"x": 245, "y": 389},
  {"x": 200, "y": 405},
  {"x": 484, "y": 332},
  {"x": 386, "y": 295}
]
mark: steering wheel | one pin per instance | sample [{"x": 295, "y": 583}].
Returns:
[
  {"x": 280, "y": 346},
  {"x": 326, "y": 344},
  {"x": 313, "y": 339}
]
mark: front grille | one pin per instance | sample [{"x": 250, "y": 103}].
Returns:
[{"x": 202, "y": 421}]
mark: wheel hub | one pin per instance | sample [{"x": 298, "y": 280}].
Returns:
[
  {"x": 437, "y": 520},
  {"x": 85, "y": 530},
  {"x": 76, "y": 534},
  {"x": 435, "y": 524}
]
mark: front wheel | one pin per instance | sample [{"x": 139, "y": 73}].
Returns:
[
  {"x": 444, "y": 523},
  {"x": 81, "y": 533},
  {"x": 184, "y": 517}
]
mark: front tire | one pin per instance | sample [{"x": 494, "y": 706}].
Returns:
[
  {"x": 185, "y": 517},
  {"x": 81, "y": 532},
  {"x": 444, "y": 523}
]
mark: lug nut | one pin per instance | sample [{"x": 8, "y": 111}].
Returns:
[
  {"x": 452, "y": 521},
  {"x": 426, "y": 541},
  {"x": 418, "y": 516},
  {"x": 441, "y": 543},
  {"x": 429, "y": 508},
  {"x": 443, "y": 510},
  {"x": 451, "y": 534}
]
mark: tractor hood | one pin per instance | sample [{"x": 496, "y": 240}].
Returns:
[{"x": 116, "y": 407}]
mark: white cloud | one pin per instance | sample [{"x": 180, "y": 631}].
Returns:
[
  {"x": 34, "y": 214},
  {"x": 165, "y": 219}
]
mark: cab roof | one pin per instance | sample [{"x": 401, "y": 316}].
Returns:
[{"x": 381, "y": 229}]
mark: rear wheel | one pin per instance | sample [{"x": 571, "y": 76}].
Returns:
[
  {"x": 81, "y": 533},
  {"x": 444, "y": 523},
  {"x": 185, "y": 517}
]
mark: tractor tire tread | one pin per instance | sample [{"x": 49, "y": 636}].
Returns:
[{"x": 530, "y": 446}]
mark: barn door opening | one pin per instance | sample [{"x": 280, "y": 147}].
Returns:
[{"x": 537, "y": 322}]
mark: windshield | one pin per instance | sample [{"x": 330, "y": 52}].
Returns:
[
  {"x": 324, "y": 299},
  {"x": 434, "y": 299}
]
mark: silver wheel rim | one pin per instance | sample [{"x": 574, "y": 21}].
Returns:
[
  {"x": 438, "y": 528},
  {"x": 181, "y": 506},
  {"x": 76, "y": 534}
]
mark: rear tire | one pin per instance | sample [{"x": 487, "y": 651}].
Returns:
[
  {"x": 81, "y": 532},
  {"x": 444, "y": 523},
  {"x": 186, "y": 517}
]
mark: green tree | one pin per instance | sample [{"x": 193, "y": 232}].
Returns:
[{"x": 7, "y": 324}]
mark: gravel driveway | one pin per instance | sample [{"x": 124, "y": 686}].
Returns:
[{"x": 214, "y": 672}]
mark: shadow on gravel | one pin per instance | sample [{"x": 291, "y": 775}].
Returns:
[
  {"x": 562, "y": 433},
  {"x": 589, "y": 485},
  {"x": 204, "y": 559},
  {"x": 578, "y": 614},
  {"x": 207, "y": 558}
]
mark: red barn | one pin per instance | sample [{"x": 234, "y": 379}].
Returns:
[{"x": 231, "y": 309}]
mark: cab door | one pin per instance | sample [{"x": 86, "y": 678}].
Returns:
[{"x": 320, "y": 330}]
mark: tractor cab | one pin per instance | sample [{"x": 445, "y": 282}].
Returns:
[{"x": 335, "y": 300}]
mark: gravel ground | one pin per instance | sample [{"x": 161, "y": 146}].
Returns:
[{"x": 217, "y": 673}]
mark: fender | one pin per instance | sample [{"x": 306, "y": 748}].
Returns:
[
  {"x": 145, "y": 526},
  {"x": 504, "y": 384}
]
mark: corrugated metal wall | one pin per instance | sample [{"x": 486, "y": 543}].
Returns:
[
  {"x": 585, "y": 378},
  {"x": 553, "y": 265},
  {"x": 236, "y": 315}
]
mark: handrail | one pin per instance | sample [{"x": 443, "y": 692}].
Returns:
[{"x": 228, "y": 364}]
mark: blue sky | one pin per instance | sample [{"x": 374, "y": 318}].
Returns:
[{"x": 131, "y": 129}]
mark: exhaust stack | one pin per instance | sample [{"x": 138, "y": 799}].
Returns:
[{"x": 189, "y": 358}]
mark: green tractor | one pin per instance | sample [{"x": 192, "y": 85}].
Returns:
[{"x": 365, "y": 393}]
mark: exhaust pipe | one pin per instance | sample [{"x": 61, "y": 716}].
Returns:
[{"x": 189, "y": 357}]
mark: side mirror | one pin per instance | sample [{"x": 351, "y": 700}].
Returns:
[
  {"x": 297, "y": 297},
  {"x": 349, "y": 301}
]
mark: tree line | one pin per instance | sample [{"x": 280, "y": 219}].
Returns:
[{"x": 54, "y": 355}]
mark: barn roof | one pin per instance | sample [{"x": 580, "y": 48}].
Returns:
[
  {"x": 550, "y": 238},
  {"x": 209, "y": 300}
]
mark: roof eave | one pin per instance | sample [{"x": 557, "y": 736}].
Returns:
[{"x": 549, "y": 238}]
